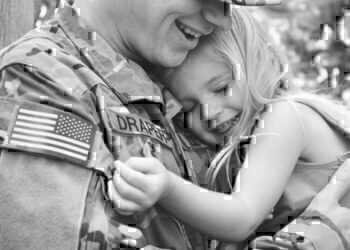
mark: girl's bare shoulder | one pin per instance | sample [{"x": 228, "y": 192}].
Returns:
[
  {"x": 282, "y": 122},
  {"x": 319, "y": 140},
  {"x": 283, "y": 116}
]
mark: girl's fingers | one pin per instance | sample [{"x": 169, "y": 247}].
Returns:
[
  {"x": 269, "y": 217},
  {"x": 131, "y": 176},
  {"x": 146, "y": 150},
  {"x": 120, "y": 204},
  {"x": 146, "y": 165},
  {"x": 126, "y": 190}
]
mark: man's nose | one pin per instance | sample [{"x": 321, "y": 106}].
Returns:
[{"x": 218, "y": 15}]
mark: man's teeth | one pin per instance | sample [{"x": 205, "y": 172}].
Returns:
[{"x": 188, "y": 31}]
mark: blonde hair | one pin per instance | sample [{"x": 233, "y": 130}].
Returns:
[{"x": 261, "y": 72}]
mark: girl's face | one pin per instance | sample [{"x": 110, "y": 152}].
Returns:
[{"x": 209, "y": 94}]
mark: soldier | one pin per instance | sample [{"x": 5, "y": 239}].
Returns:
[
  {"x": 203, "y": 80},
  {"x": 74, "y": 98}
]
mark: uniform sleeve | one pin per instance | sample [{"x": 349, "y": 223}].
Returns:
[
  {"x": 42, "y": 199},
  {"x": 26, "y": 83},
  {"x": 47, "y": 202}
]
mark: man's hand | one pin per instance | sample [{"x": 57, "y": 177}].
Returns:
[
  {"x": 325, "y": 224},
  {"x": 138, "y": 183},
  {"x": 328, "y": 199}
]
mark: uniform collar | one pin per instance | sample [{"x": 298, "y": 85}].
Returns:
[
  {"x": 126, "y": 76},
  {"x": 173, "y": 106}
]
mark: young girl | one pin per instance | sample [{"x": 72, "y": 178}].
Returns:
[{"x": 234, "y": 86}]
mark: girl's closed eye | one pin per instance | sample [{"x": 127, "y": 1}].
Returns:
[
  {"x": 224, "y": 88},
  {"x": 221, "y": 89}
]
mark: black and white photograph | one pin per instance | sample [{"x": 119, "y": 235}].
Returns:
[{"x": 175, "y": 124}]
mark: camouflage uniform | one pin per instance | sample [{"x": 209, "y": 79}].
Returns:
[{"x": 52, "y": 200}]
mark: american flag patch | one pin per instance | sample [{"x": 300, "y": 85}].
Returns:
[{"x": 55, "y": 133}]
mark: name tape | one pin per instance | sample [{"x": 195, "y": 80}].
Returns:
[{"x": 132, "y": 124}]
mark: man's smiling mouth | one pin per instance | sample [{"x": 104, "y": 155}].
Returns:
[{"x": 188, "y": 32}]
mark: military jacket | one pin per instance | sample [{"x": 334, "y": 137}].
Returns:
[{"x": 70, "y": 105}]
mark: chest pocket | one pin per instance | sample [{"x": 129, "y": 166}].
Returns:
[{"x": 129, "y": 134}]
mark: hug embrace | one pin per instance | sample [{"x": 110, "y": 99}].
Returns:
[{"x": 166, "y": 125}]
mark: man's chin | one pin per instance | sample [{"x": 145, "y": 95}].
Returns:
[{"x": 170, "y": 60}]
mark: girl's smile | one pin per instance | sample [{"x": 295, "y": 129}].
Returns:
[{"x": 210, "y": 96}]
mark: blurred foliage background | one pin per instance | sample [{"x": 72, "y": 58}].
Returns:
[{"x": 315, "y": 34}]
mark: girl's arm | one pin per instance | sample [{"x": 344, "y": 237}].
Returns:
[
  {"x": 265, "y": 172},
  {"x": 271, "y": 159}
]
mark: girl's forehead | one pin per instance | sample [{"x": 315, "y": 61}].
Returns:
[
  {"x": 201, "y": 64},
  {"x": 202, "y": 57}
]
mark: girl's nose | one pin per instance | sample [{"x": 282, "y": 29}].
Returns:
[{"x": 210, "y": 111}]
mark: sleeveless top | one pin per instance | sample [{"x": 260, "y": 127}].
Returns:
[{"x": 306, "y": 180}]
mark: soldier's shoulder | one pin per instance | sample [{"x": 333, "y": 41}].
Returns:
[{"x": 34, "y": 43}]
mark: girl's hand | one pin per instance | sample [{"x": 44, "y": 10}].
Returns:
[{"x": 138, "y": 184}]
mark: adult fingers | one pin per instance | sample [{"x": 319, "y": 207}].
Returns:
[
  {"x": 339, "y": 183},
  {"x": 328, "y": 198},
  {"x": 297, "y": 241},
  {"x": 265, "y": 243}
]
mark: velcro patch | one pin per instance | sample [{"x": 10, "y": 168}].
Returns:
[
  {"x": 38, "y": 129},
  {"x": 131, "y": 124}
]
